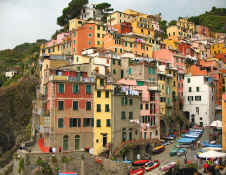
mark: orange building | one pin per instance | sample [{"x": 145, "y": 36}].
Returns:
[
  {"x": 83, "y": 38},
  {"x": 224, "y": 122},
  {"x": 128, "y": 43}
]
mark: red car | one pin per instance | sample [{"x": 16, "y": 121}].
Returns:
[
  {"x": 137, "y": 171},
  {"x": 151, "y": 165}
]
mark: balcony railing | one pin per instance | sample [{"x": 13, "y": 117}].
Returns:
[{"x": 73, "y": 79}]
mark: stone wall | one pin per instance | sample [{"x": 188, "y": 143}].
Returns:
[{"x": 71, "y": 161}]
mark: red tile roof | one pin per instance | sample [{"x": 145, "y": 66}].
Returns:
[{"x": 163, "y": 55}]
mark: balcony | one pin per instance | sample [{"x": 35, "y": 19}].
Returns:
[{"x": 72, "y": 79}]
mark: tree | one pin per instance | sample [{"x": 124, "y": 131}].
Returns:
[
  {"x": 105, "y": 8},
  {"x": 173, "y": 22},
  {"x": 72, "y": 11},
  {"x": 163, "y": 27}
]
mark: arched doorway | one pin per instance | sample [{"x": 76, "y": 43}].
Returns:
[
  {"x": 65, "y": 142},
  {"x": 77, "y": 142}
]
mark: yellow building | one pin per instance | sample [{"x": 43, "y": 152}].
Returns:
[
  {"x": 218, "y": 48},
  {"x": 224, "y": 122},
  {"x": 102, "y": 115},
  {"x": 170, "y": 44},
  {"x": 75, "y": 23},
  {"x": 183, "y": 29},
  {"x": 118, "y": 17},
  {"x": 80, "y": 59}
]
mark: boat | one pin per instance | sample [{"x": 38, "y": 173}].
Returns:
[
  {"x": 182, "y": 146},
  {"x": 158, "y": 149},
  {"x": 206, "y": 144},
  {"x": 140, "y": 162},
  {"x": 181, "y": 151},
  {"x": 168, "y": 166},
  {"x": 151, "y": 165},
  {"x": 137, "y": 171},
  {"x": 173, "y": 152}
]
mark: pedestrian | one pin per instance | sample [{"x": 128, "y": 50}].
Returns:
[
  {"x": 205, "y": 166},
  {"x": 59, "y": 148}
]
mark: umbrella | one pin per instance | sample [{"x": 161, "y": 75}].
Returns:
[
  {"x": 212, "y": 154},
  {"x": 217, "y": 124}
]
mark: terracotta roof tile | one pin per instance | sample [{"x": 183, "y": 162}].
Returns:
[{"x": 195, "y": 71}]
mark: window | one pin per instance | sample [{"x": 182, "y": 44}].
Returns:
[
  {"x": 116, "y": 50},
  {"x": 130, "y": 71},
  {"x": 65, "y": 142},
  {"x": 88, "y": 105},
  {"x": 114, "y": 71},
  {"x": 119, "y": 62},
  {"x": 98, "y": 107},
  {"x": 88, "y": 122},
  {"x": 125, "y": 44},
  {"x": 188, "y": 80},
  {"x": 106, "y": 94},
  {"x": 131, "y": 45},
  {"x": 75, "y": 105},
  {"x": 101, "y": 82},
  {"x": 90, "y": 28},
  {"x": 98, "y": 27},
  {"x": 123, "y": 134},
  {"x": 124, "y": 100},
  {"x": 60, "y": 122},
  {"x": 98, "y": 123},
  {"x": 190, "y": 89},
  {"x": 156, "y": 132},
  {"x": 131, "y": 101},
  {"x": 60, "y": 105},
  {"x": 74, "y": 33},
  {"x": 149, "y": 70},
  {"x": 60, "y": 88},
  {"x": 145, "y": 135},
  {"x": 130, "y": 115},
  {"x": 190, "y": 98},
  {"x": 75, "y": 89},
  {"x": 120, "y": 50},
  {"x": 198, "y": 98},
  {"x": 90, "y": 35},
  {"x": 123, "y": 115},
  {"x": 88, "y": 89},
  {"x": 146, "y": 106},
  {"x": 75, "y": 122},
  {"x": 130, "y": 134},
  {"x": 141, "y": 106},
  {"x": 98, "y": 93},
  {"x": 107, "y": 109},
  {"x": 197, "y": 89},
  {"x": 98, "y": 35},
  {"x": 98, "y": 42},
  {"x": 108, "y": 122}
]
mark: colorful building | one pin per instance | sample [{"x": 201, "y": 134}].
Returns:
[
  {"x": 224, "y": 122},
  {"x": 102, "y": 115},
  {"x": 218, "y": 48},
  {"x": 68, "y": 110}
]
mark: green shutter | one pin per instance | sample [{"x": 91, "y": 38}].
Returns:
[
  {"x": 130, "y": 70},
  {"x": 75, "y": 88},
  {"x": 60, "y": 123},
  {"x": 149, "y": 70},
  {"x": 98, "y": 123},
  {"x": 61, "y": 88},
  {"x": 88, "y": 89},
  {"x": 108, "y": 122},
  {"x": 79, "y": 122},
  {"x": 75, "y": 105},
  {"x": 71, "y": 123},
  {"x": 140, "y": 83},
  {"x": 153, "y": 71}
]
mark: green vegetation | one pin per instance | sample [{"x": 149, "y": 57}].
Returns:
[
  {"x": 215, "y": 19},
  {"x": 21, "y": 165},
  {"x": 71, "y": 11},
  {"x": 171, "y": 23},
  {"x": 163, "y": 27},
  {"x": 105, "y": 9}
]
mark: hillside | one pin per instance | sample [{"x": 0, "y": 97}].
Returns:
[
  {"x": 215, "y": 19},
  {"x": 16, "y": 95}
]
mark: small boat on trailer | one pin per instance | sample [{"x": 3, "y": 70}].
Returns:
[
  {"x": 158, "y": 149},
  {"x": 140, "y": 162},
  {"x": 151, "y": 165}
]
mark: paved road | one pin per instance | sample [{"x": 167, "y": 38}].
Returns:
[{"x": 165, "y": 158}]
